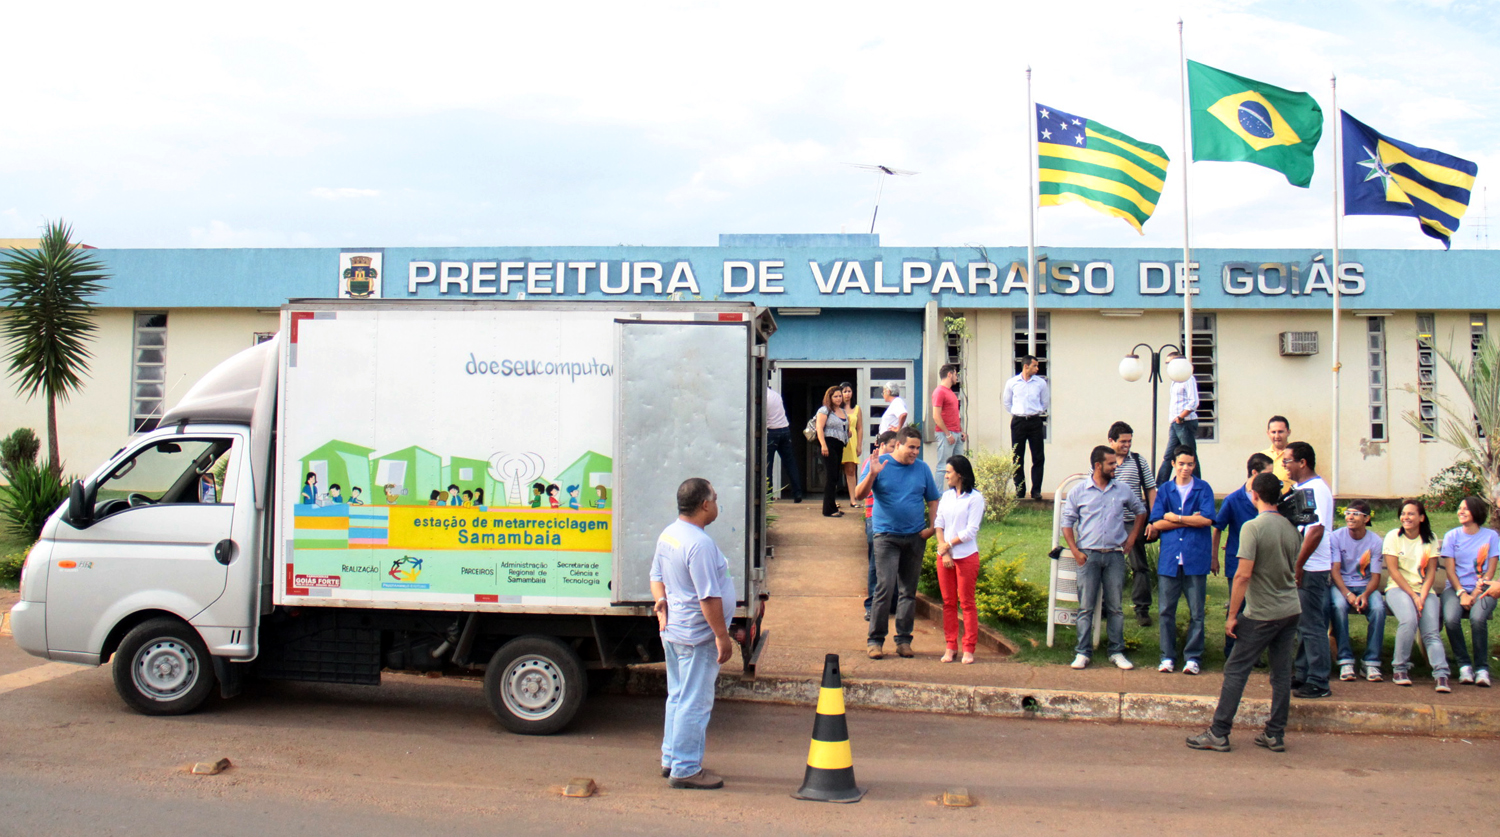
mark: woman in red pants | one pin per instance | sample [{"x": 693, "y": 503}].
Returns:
[{"x": 958, "y": 516}]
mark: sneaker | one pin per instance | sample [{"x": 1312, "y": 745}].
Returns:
[
  {"x": 1346, "y": 671},
  {"x": 1192, "y": 667},
  {"x": 1081, "y": 661},
  {"x": 1372, "y": 674},
  {"x": 1206, "y": 740},
  {"x": 1401, "y": 678},
  {"x": 1309, "y": 692},
  {"x": 1120, "y": 662},
  {"x": 1165, "y": 667},
  {"x": 702, "y": 780},
  {"x": 903, "y": 649},
  {"x": 1465, "y": 675},
  {"x": 1275, "y": 745},
  {"x": 1442, "y": 684},
  {"x": 874, "y": 652},
  {"x": 1482, "y": 679},
  {"x": 666, "y": 772}
]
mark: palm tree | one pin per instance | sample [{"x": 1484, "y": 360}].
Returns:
[
  {"x": 1475, "y": 429},
  {"x": 49, "y": 320}
]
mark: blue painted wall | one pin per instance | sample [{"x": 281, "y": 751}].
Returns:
[{"x": 858, "y": 334}]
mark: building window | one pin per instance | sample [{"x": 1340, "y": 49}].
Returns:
[
  {"x": 149, "y": 374},
  {"x": 1018, "y": 351},
  {"x": 1479, "y": 328},
  {"x": 1206, "y": 371},
  {"x": 1426, "y": 378},
  {"x": 261, "y": 337},
  {"x": 1376, "y": 346}
]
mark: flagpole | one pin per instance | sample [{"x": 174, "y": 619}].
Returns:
[
  {"x": 1187, "y": 163},
  {"x": 1338, "y": 174},
  {"x": 1031, "y": 187}
]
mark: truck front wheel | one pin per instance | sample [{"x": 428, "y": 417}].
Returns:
[
  {"x": 535, "y": 685},
  {"x": 162, "y": 667}
]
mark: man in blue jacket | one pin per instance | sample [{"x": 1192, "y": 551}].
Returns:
[{"x": 1182, "y": 515}]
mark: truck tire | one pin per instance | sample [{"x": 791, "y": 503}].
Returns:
[
  {"x": 535, "y": 685},
  {"x": 162, "y": 667}
]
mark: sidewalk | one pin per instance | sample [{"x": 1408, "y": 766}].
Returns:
[{"x": 817, "y": 585}]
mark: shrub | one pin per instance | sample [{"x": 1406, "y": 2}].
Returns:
[
  {"x": 10, "y": 566},
  {"x": 927, "y": 584},
  {"x": 1451, "y": 485},
  {"x": 34, "y": 494},
  {"x": 1002, "y": 595},
  {"x": 994, "y": 478},
  {"x": 20, "y": 446}
]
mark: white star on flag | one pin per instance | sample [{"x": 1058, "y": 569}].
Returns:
[
  {"x": 1046, "y": 115},
  {"x": 1046, "y": 134},
  {"x": 1078, "y": 139}
]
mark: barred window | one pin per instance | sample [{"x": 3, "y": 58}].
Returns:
[
  {"x": 1206, "y": 371},
  {"x": 1018, "y": 351},
  {"x": 1427, "y": 419},
  {"x": 148, "y": 383},
  {"x": 1479, "y": 328},
  {"x": 1379, "y": 427}
]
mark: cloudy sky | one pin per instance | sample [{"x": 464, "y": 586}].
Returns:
[{"x": 380, "y": 124}]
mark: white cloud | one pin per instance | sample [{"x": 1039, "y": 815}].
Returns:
[{"x": 342, "y": 193}]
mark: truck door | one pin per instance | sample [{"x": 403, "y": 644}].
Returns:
[
  {"x": 158, "y": 516},
  {"x": 685, "y": 410}
]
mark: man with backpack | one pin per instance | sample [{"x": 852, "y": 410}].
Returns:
[{"x": 1135, "y": 473}]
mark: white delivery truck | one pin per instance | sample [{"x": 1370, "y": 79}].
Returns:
[{"x": 414, "y": 486}]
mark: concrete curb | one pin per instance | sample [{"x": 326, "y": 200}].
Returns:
[{"x": 1102, "y": 707}]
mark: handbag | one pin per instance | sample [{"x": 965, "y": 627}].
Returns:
[{"x": 811, "y": 430}]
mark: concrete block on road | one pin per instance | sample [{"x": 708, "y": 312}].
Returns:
[
  {"x": 1465, "y": 721},
  {"x": 1332, "y": 716},
  {"x": 1187, "y": 710},
  {"x": 769, "y": 688},
  {"x": 909, "y": 697},
  {"x": 1045, "y": 704}
]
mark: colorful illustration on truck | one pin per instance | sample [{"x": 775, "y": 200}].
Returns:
[{"x": 497, "y": 528}]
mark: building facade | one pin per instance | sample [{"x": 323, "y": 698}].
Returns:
[{"x": 849, "y": 310}]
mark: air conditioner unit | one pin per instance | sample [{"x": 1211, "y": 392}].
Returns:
[{"x": 1299, "y": 343}]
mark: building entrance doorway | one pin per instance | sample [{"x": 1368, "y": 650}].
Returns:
[{"x": 802, "y": 385}]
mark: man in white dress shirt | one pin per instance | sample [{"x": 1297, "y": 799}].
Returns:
[
  {"x": 1183, "y": 431},
  {"x": 1027, "y": 398}
]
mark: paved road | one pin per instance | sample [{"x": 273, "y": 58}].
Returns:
[{"x": 420, "y": 756}]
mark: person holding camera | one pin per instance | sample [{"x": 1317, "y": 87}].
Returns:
[{"x": 1314, "y": 568}]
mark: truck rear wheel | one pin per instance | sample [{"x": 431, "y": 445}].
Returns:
[
  {"x": 162, "y": 667},
  {"x": 535, "y": 685}
]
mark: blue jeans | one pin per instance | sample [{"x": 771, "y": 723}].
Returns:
[
  {"x": 1108, "y": 569},
  {"x": 1479, "y": 627},
  {"x": 1169, "y": 589},
  {"x": 692, "y": 671},
  {"x": 1399, "y": 604},
  {"x": 946, "y": 448},
  {"x": 1312, "y": 662},
  {"x": 1338, "y": 614},
  {"x": 869, "y": 559},
  {"x": 779, "y": 441}
]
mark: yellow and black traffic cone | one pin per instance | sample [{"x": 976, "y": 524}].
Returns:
[{"x": 830, "y": 761}]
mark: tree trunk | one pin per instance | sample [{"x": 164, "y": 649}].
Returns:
[{"x": 54, "y": 462}]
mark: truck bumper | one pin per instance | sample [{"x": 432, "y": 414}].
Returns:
[{"x": 28, "y": 622}]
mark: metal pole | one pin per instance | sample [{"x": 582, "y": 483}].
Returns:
[
  {"x": 1155, "y": 386},
  {"x": 1187, "y": 163},
  {"x": 1338, "y": 173},
  {"x": 878, "y": 190},
  {"x": 1031, "y": 187}
]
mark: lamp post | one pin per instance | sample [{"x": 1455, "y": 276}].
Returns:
[{"x": 1179, "y": 369}]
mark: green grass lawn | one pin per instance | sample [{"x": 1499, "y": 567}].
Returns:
[{"x": 1027, "y": 534}]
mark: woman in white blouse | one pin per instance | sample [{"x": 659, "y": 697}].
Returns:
[{"x": 958, "y": 515}]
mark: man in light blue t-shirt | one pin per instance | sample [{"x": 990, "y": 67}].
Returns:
[
  {"x": 906, "y": 498},
  {"x": 694, "y": 602}
]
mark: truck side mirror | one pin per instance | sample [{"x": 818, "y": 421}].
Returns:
[{"x": 79, "y": 512}]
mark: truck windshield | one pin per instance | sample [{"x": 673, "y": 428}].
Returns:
[{"x": 172, "y": 471}]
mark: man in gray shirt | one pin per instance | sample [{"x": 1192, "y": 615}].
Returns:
[
  {"x": 1266, "y": 582},
  {"x": 1093, "y": 523}
]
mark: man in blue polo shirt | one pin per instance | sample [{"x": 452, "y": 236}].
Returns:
[
  {"x": 906, "y": 498},
  {"x": 1183, "y": 513},
  {"x": 1236, "y": 510}
]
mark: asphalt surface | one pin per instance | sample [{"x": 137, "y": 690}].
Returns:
[{"x": 424, "y": 756}]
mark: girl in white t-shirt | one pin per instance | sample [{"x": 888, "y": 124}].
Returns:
[
  {"x": 1412, "y": 569},
  {"x": 959, "y": 513}
]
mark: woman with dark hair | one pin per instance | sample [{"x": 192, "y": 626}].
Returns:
[
  {"x": 1412, "y": 570},
  {"x": 1469, "y": 554},
  {"x": 959, "y": 513},
  {"x": 853, "y": 447},
  {"x": 833, "y": 435}
]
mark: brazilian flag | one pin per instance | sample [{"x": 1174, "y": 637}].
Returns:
[{"x": 1239, "y": 119}]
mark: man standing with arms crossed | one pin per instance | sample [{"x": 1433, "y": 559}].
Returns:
[
  {"x": 1266, "y": 586},
  {"x": 1093, "y": 523},
  {"x": 1133, "y": 470},
  {"x": 946, "y": 420},
  {"x": 906, "y": 498},
  {"x": 1314, "y": 571},
  {"x": 1183, "y": 513},
  {"x": 779, "y": 441},
  {"x": 694, "y": 603},
  {"x": 1027, "y": 398}
]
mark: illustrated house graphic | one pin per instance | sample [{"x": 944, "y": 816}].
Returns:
[
  {"x": 342, "y": 463},
  {"x": 410, "y": 475},
  {"x": 587, "y": 472},
  {"x": 470, "y": 474}
]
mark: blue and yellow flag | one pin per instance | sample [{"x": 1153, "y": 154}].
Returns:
[
  {"x": 1237, "y": 118},
  {"x": 1384, "y": 176},
  {"x": 1085, "y": 162}
]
